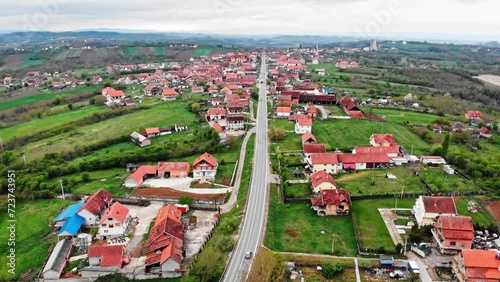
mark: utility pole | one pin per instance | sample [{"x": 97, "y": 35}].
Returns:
[
  {"x": 406, "y": 243},
  {"x": 333, "y": 241},
  {"x": 24, "y": 159},
  {"x": 1, "y": 143},
  {"x": 62, "y": 188}
]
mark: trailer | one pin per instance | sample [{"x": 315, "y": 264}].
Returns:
[{"x": 413, "y": 267}]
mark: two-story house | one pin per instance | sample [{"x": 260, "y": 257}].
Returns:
[
  {"x": 324, "y": 162},
  {"x": 205, "y": 167},
  {"x": 321, "y": 180},
  {"x": 453, "y": 233},
  {"x": 94, "y": 206},
  {"x": 303, "y": 125},
  {"x": 427, "y": 208},
  {"x": 477, "y": 266},
  {"x": 114, "y": 221},
  {"x": 332, "y": 202}
]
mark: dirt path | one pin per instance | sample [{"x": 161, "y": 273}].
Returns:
[{"x": 493, "y": 79}]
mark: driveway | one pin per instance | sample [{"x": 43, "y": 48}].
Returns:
[
  {"x": 324, "y": 112},
  {"x": 182, "y": 184},
  {"x": 145, "y": 216}
]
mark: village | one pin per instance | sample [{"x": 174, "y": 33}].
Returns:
[{"x": 171, "y": 208}]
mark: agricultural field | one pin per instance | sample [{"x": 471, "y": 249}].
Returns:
[
  {"x": 132, "y": 51},
  {"x": 33, "y": 236},
  {"x": 202, "y": 51},
  {"x": 400, "y": 116},
  {"x": 373, "y": 182},
  {"x": 373, "y": 232},
  {"x": 16, "y": 102},
  {"x": 440, "y": 181},
  {"x": 350, "y": 133},
  {"x": 292, "y": 227}
]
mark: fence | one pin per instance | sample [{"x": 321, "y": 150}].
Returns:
[{"x": 209, "y": 204}]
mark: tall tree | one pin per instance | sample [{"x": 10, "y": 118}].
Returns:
[{"x": 446, "y": 145}]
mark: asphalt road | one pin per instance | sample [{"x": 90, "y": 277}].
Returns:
[{"x": 254, "y": 221}]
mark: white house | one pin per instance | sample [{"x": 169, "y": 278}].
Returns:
[
  {"x": 303, "y": 125},
  {"x": 283, "y": 111},
  {"x": 426, "y": 209},
  {"x": 205, "y": 167},
  {"x": 93, "y": 207},
  {"x": 114, "y": 222}
]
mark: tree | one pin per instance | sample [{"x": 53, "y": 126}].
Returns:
[
  {"x": 70, "y": 107},
  {"x": 329, "y": 270},
  {"x": 446, "y": 145},
  {"x": 195, "y": 107},
  {"x": 208, "y": 267},
  {"x": 185, "y": 200},
  {"x": 276, "y": 133},
  {"x": 8, "y": 157},
  {"x": 267, "y": 267}
]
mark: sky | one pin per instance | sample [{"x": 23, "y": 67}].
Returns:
[{"x": 319, "y": 17}]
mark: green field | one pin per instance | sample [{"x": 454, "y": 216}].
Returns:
[
  {"x": 159, "y": 50},
  {"x": 351, "y": 133},
  {"x": 12, "y": 103},
  {"x": 26, "y": 61},
  {"x": 440, "y": 181},
  {"x": 296, "y": 228},
  {"x": 202, "y": 51},
  {"x": 360, "y": 182},
  {"x": 480, "y": 217},
  {"x": 33, "y": 236},
  {"x": 298, "y": 190},
  {"x": 46, "y": 123},
  {"x": 131, "y": 51},
  {"x": 402, "y": 116},
  {"x": 373, "y": 232},
  {"x": 165, "y": 114}
]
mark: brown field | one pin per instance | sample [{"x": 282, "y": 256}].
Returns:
[
  {"x": 12, "y": 61},
  {"x": 493, "y": 79},
  {"x": 494, "y": 207},
  {"x": 167, "y": 192},
  {"x": 184, "y": 55}
]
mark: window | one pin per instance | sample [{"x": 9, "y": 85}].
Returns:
[
  {"x": 453, "y": 243},
  {"x": 109, "y": 218},
  {"x": 106, "y": 231},
  {"x": 103, "y": 225},
  {"x": 117, "y": 224}
]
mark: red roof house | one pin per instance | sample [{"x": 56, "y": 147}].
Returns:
[
  {"x": 205, "y": 167},
  {"x": 93, "y": 207},
  {"x": 173, "y": 169},
  {"x": 313, "y": 148},
  {"x": 321, "y": 180},
  {"x": 473, "y": 114},
  {"x": 332, "y": 202},
  {"x": 136, "y": 179},
  {"x": 364, "y": 161},
  {"x": 453, "y": 233},
  {"x": 477, "y": 265},
  {"x": 426, "y": 209},
  {"x": 324, "y": 162},
  {"x": 308, "y": 138},
  {"x": 108, "y": 256},
  {"x": 383, "y": 140}
]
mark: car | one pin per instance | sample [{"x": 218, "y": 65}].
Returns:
[{"x": 248, "y": 254}]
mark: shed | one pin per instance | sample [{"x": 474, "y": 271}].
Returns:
[
  {"x": 57, "y": 260},
  {"x": 71, "y": 226},
  {"x": 68, "y": 212},
  {"x": 386, "y": 260}
]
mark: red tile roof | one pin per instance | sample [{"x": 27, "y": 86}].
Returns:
[
  {"x": 217, "y": 127},
  {"x": 169, "y": 92},
  {"x": 439, "y": 205},
  {"x": 207, "y": 158},
  {"x": 97, "y": 202},
  {"x": 297, "y": 117},
  {"x": 332, "y": 197},
  {"x": 142, "y": 171},
  {"x": 117, "y": 211},
  {"x": 364, "y": 158},
  {"x": 474, "y": 113},
  {"x": 312, "y": 109},
  {"x": 456, "y": 227},
  {"x": 481, "y": 264},
  {"x": 314, "y": 148},
  {"x": 484, "y": 130},
  {"x": 168, "y": 211},
  {"x": 320, "y": 177},
  {"x": 371, "y": 150},
  {"x": 216, "y": 111},
  {"x": 153, "y": 130},
  {"x": 328, "y": 158},
  {"x": 173, "y": 250},
  {"x": 109, "y": 255},
  {"x": 308, "y": 137},
  {"x": 169, "y": 166},
  {"x": 305, "y": 122},
  {"x": 384, "y": 138},
  {"x": 283, "y": 109}
]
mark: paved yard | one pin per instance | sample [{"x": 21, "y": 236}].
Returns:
[
  {"x": 145, "y": 216},
  {"x": 195, "y": 237},
  {"x": 182, "y": 184}
]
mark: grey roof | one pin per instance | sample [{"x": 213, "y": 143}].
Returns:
[
  {"x": 137, "y": 136},
  {"x": 58, "y": 256}
]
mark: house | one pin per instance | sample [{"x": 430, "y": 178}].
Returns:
[
  {"x": 283, "y": 111},
  {"x": 477, "y": 265},
  {"x": 364, "y": 161},
  {"x": 308, "y": 138},
  {"x": 71, "y": 226},
  {"x": 105, "y": 260},
  {"x": 235, "y": 122},
  {"x": 205, "y": 167},
  {"x": 309, "y": 149},
  {"x": 437, "y": 128},
  {"x": 114, "y": 222},
  {"x": 113, "y": 95},
  {"x": 152, "y": 132},
  {"x": 96, "y": 79},
  {"x": 391, "y": 152},
  {"x": 173, "y": 169},
  {"x": 93, "y": 207},
  {"x": 312, "y": 112},
  {"x": 140, "y": 139},
  {"x": 152, "y": 90},
  {"x": 67, "y": 213},
  {"x": 136, "y": 179},
  {"x": 383, "y": 140},
  {"x": 166, "y": 239},
  {"x": 485, "y": 132},
  {"x": 427, "y": 208},
  {"x": 197, "y": 89},
  {"x": 457, "y": 127},
  {"x": 303, "y": 125},
  {"x": 7, "y": 80},
  {"x": 169, "y": 94},
  {"x": 216, "y": 114},
  {"x": 332, "y": 202},
  {"x": 350, "y": 108},
  {"x": 432, "y": 160},
  {"x": 320, "y": 72},
  {"x": 321, "y": 180},
  {"x": 453, "y": 233},
  {"x": 324, "y": 162},
  {"x": 473, "y": 114},
  {"x": 58, "y": 259}
]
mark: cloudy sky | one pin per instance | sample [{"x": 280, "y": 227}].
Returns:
[{"x": 371, "y": 17}]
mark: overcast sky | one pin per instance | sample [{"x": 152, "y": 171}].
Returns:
[{"x": 369, "y": 17}]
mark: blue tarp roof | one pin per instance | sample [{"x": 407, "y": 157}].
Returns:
[
  {"x": 69, "y": 211},
  {"x": 71, "y": 226}
]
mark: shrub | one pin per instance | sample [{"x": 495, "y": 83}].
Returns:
[
  {"x": 185, "y": 200},
  {"x": 329, "y": 270}
]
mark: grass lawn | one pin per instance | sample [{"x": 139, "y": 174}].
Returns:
[
  {"x": 299, "y": 190},
  {"x": 335, "y": 111},
  {"x": 350, "y": 133},
  {"x": 165, "y": 114},
  {"x": 480, "y": 217},
  {"x": 16, "y": 102},
  {"x": 202, "y": 51},
  {"x": 360, "y": 183},
  {"x": 46, "y": 123},
  {"x": 441, "y": 181},
  {"x": 296, "y": 228},
  {"x": 373, "y": 232},
  {"x": 402, "y": 116},
  {"x": 282, "y": 123},
  {"x": 33, "y": 237},
  {"x": 291, "y": 142}
]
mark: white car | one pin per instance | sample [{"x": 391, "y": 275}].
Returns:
[{"x": 248, "y": 254}]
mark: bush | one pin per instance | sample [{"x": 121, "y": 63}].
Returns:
[
  {"x": 329, "y": 270},
  {"x": 185, "y": 200},
  {"x": 224, "y": 243}
]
